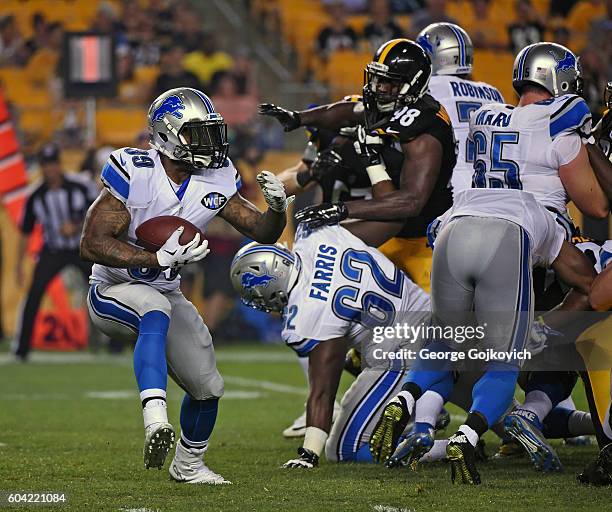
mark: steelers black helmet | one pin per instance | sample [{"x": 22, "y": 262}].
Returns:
[{"x": 397, "y": 76}]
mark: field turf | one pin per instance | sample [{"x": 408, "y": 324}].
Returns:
[{"x": 76, "y": 427}]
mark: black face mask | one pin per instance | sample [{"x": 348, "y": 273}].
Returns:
[{"x": 205, "y": 139}]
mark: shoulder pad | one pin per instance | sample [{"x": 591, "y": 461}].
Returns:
[{"x": 568, "y": 114}]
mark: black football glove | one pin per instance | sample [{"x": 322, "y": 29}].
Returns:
[
  {"x": 327, "y": 161},
  {"x": 290, "y": 119},
  {"x": 307, "y": 460},
  {"x": 324, "y": 214}
]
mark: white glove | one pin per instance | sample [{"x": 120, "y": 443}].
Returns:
[
  {"x": 172, "y": 254},
  {"x": 274, "y": 191}
]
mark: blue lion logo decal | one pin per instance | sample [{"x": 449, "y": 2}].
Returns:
[
  {"x": 250, "y": 280},
  {"x": 567, "y": 62},
  {"x": 171, "y": 105},
  {"x": 424, "y": 43}
]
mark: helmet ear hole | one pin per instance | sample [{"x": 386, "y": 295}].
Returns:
[
  {"x": 162, "y": 136},
  {"x": 564, "y": 86}
]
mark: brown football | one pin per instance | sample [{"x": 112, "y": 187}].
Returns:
[{"x": 153, "y": 233}]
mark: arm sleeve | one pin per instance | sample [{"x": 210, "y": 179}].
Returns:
[
  {"x": 116, "y": 176},
  {"x": 564, "y": 149}
]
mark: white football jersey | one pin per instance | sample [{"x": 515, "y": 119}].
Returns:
[
  {"x": 137, "y": 178},
  {"x": 522, "y": 148},
  {"x": 460, "y": 98},
  {"x": 344, "y": 288}
]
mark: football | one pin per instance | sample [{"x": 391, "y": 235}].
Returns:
[{"x": 153, "y": 233}]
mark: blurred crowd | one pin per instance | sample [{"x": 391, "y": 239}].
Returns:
[
  {"x": 160, "y": 44},
  {"x": 503, "y": 26}
]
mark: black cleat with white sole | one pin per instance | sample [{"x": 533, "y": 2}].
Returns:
[{"x": 462, "y": 457}]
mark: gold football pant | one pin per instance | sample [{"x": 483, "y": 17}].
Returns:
[
  {"x": 413, "y": 256},
  {"x": 595, "y": 347}
]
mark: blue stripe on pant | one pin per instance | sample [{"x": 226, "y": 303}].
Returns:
[
  {"x": 353, "y": 431},
  {"x": 112, "y": 310}
]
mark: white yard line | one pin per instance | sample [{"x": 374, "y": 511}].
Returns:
[
  {"x": 246, "y": 356},
  {"x": 265, "y": 384}
]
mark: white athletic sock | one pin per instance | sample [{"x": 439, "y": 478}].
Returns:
[
  {"x": 437, "y": 452},
  {"x": 538, "y": 403},
  {"x": 470, "y": 433},
  {"x": 409, "y": 400},
  {"x": 568, "y": 403},
  {"x": 428, "y": 407},
  {"x": 155, "y": 409},
  {"x": 580, "y": 424},
  {"x": 304, "y": 364}
]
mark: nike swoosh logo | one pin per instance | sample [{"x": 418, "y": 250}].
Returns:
[
  {"x": 393, "y": 132},
  {"x": 170, "y": 253},
  {"x": 121, "y": 159}
]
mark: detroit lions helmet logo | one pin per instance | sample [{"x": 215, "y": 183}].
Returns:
[
  {"x": 250, "y": 280},
  {"x": 567, "y": 62},
  {"x": 171, "y": 105},
  {"x": 424, "y": 43}
]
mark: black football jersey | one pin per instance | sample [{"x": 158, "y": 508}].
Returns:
[
  {"x": 351, "y": 181},
  {"x": 405, "y": 124}
]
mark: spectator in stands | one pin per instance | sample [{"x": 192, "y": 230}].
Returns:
[
  {"x": 593, "y": 74},
  {"x": 187, "y": 30},
  {"x": 337, "y": 35},
  {"x": 561, "y": 35},
  {"x": 243, "y": 72},
  {"x": 107, "y": 21},
  {"x": 39, "y": 34},
  {"x": 11, "y": 42},
  {"x": 144, "y": 43},
  {"x": 59, "y": 204},
  {"x": 42, "y": 67},
  {"x": 162, "y": 13},
  {"x": 486, "y": 25},
  {"x": 131, "y": 91},
  {"x": 237, "y": 109},
  {"x": 433, "y": 12},
  {"x": 207, "y": 60},
  {"x": 560, "y": 8},
  {"x": 528, "y": 27},
  {"x": 351, "y": 6},
  {"x": 600, "y": 37},
  {"x": 381, "y": 28},
  {"x": 172, "y": 73}
]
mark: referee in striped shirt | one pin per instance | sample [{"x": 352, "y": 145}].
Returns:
[{"x": 59, "y": 204}]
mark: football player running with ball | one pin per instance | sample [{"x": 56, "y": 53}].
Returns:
[{"x": 134, "y": 293}]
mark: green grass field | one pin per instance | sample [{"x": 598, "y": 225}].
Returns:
[{"x": 77, "y": 428}]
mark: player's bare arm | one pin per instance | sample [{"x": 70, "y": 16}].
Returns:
[
  {"x": 602, "y": 167},
  {"x": 422, "y": 159},
  {"x": 105, "y": 224},
  {"x": 600, "y": 296},
  {"x": 578, "y": 178},
  {"x": 290, "y": 178},
  {"x": 332, "y": 116},
  {"x": 243, "y": 215},
  {"x": 324, "y": 370}
]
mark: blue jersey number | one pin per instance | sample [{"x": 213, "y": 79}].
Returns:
[
  {"x": 465, "y": 108},
  {"x": 288, "y": 316},
  {"x": 151, "y": 274},
  {"x": 372, "y": 309},
  {"x": 140, "y": 158},
  {"x": 483, "y": 178}
]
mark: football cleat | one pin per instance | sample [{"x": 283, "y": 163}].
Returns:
[
  {"x": 599, "y": 472},
  {"x": 509, "y": 448},
  {"x": 524, "y": 427},
  {"x": 461, "y": 455},
  {"x": 159, "y": 440},
  {"x": 188, "y": 467},
  {"x": 411, "y": 449},
  {"x": 298, "y": 427},
  {"x": 389, "y": 428}
]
